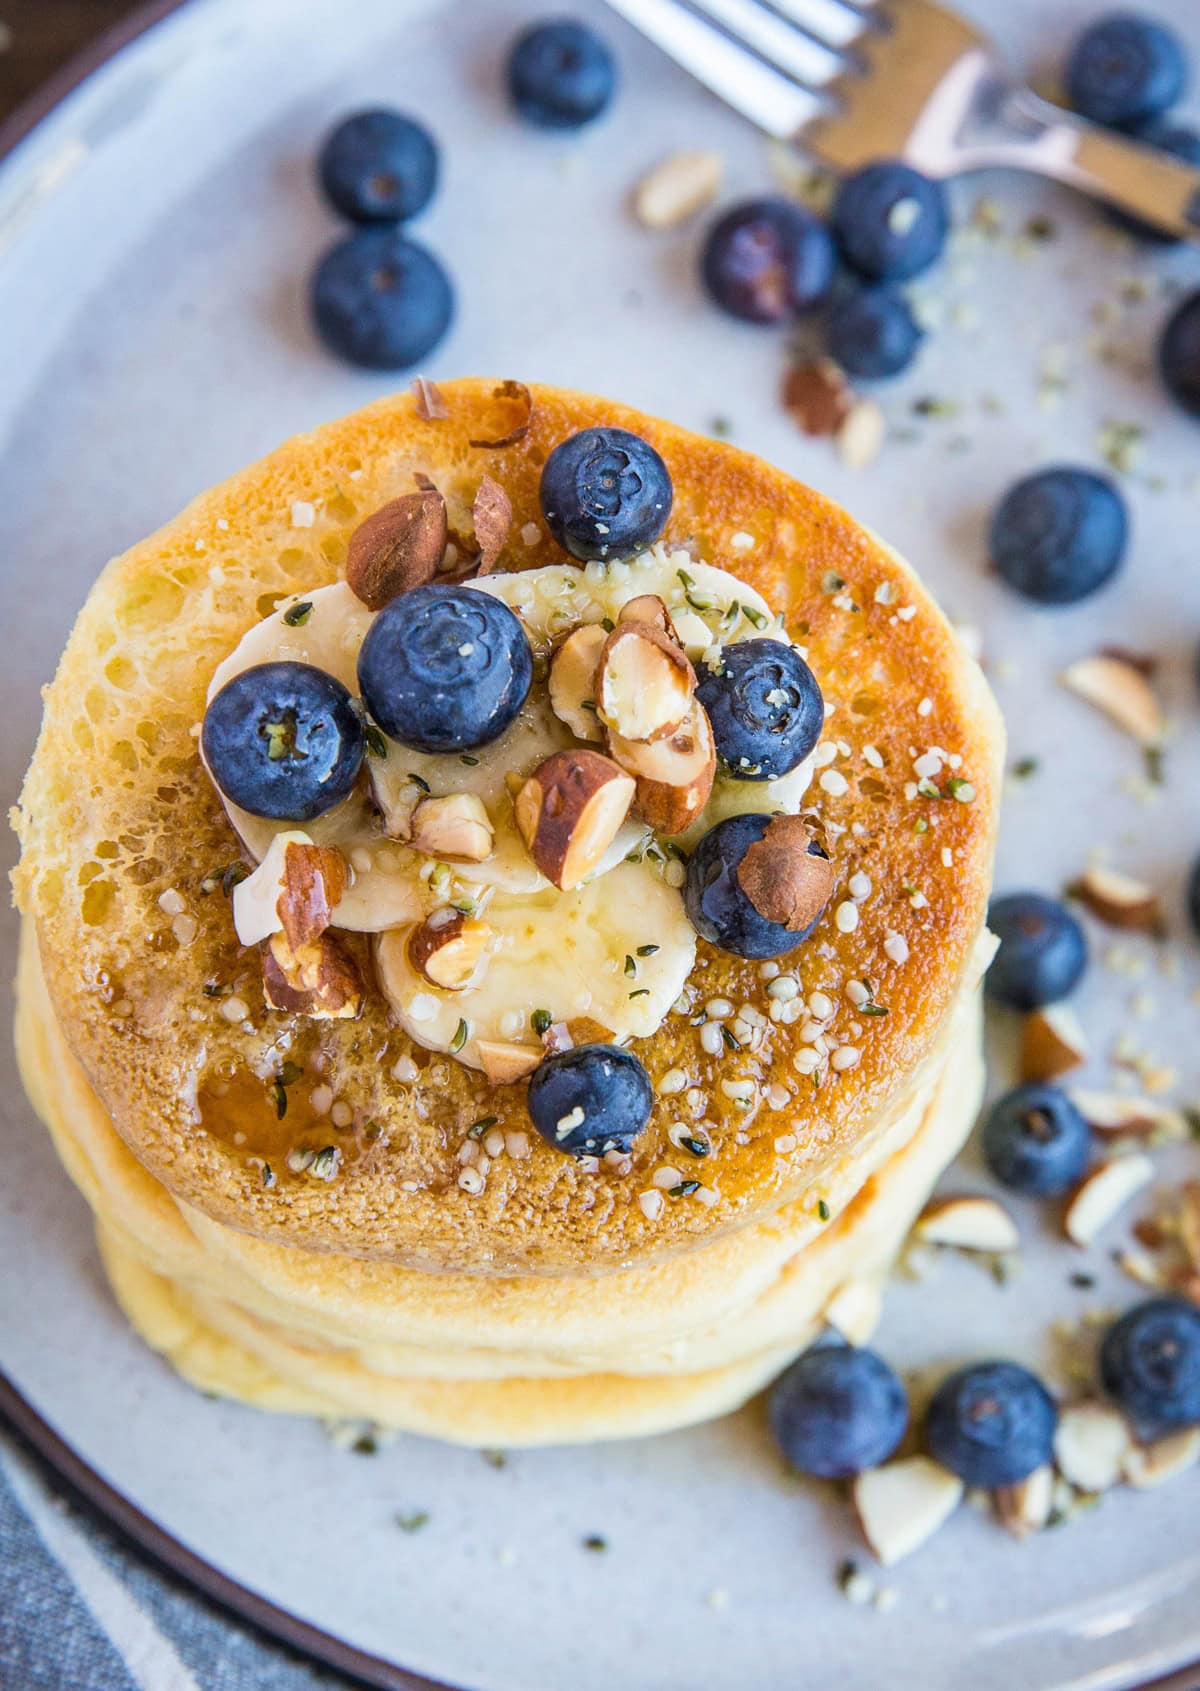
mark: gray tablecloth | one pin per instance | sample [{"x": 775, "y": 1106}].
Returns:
[{"x": 80, "y": 1611}]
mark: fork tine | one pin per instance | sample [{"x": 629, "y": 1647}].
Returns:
[
  {"x": 838, "y": 23},
  {"x": 765, "y": 96},
  {"x": 779, "y": 42}
]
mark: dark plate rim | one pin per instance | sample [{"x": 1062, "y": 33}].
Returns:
[{"x": 80, "y": 1478}]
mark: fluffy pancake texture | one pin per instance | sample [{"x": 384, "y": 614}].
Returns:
[
  {"x": 532, "y": 1360},
  {"x": 120, "y": 826}
]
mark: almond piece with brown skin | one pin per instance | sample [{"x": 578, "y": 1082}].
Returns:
[
  {"x": 579, "y": 1030},
  {"x": 1104, "y": 1192},
  {"x": 569, "y": 811},
  {"x": 318, "y": 979},
  {"x": 1121, "y": 690},
  {"x": 447, "y": 948},
  {"x": 783, "y": 878},
  {"x": 294, "y": 890},
  {"x": 1026, "y": 1506},
  {"x": 504, "y": 1063},
  {"x": 456, "y": 825},
  {"x": 651, "y": 612},
  {"x": 1052, "y": 1043},
  {"x": 644, "y": 683},
  {"x": 572, "y": 680},
  {"x": 1118, "y": 900},
  {"x": 492, "y": 516},
  {"x": 397, "y": 548},
  {"x": 674, "y": 776}
]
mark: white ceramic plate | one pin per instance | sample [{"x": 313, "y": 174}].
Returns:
[{"x": 156, "y": 232}]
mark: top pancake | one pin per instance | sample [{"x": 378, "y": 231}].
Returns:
[{"x": 117, "y": 811}]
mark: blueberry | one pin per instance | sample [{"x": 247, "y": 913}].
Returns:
[
  {"x": 767, "y": 261},
  {"x": 765, "y": 708},
  {"x": 378, "y": 167},
  {"x": 283, "y": 740},
  {"x": 838, "y": 1410},
  {"x": 560, "y": 74},
  {"x": 991, "y": 1424},
  {"x": 718, "y": 908},
  {"x": 890, "y": 222},
  {"x": 605, "y": 491},
  {"x": 591, "y": 1099},
  {"x": 872, "y": 332},
  {"x": 1179, "y": 354},
  {"x": 1181, "y": 143},
  {"x": 1042, "y": 951},
  {"x": 1150, "y": 1364},
  {"x": 381, "y": 300},
  {"x": 1124, "y": 69},
  {"x": 1036, "y": 1141},
  {"x": 1058, "y": 535},
  {"x": 443, "y": 669}
]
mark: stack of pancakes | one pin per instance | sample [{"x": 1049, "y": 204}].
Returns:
[{"x": 559, "y": 1303}]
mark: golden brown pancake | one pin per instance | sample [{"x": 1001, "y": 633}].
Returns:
[{"x": 118, "y": 815}]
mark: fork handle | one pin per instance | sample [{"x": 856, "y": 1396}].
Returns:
[{"x": 1028, "y": 133}]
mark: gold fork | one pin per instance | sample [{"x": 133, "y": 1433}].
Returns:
[{"x": 852, "y": 82}]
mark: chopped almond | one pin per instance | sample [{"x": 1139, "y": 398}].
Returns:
[
  {"x": 572, "y": 681},
  {"x": 674, "y": 776},
  {"x": 578, "y": 1030},
  {"x": 1120, "y": 1115},
  {"x": 1118, "y": 900},
  {"x": 818, "y": 396},
  {"x": 968, "y": 1224},
  {"x": 317, "y": 979},
  {"x": 397, "y": 548},
  {"x": 430, "y": 405},
  {"x": 1052, "y": 1043},
  {"x": 677, "y": 188},
  {"x": 569, "y": 811},
  {"x": 294, "y": 890},
  {"x": 1189, "y": 1221},
  {"x": 1103, "y": 1193},
  {"x": 447, "y": 948},
  {"x": 492, "y": 516},
  {"x": 854, "y": 1310},
  {"x": 651, "y": 611},
  {"x": 1091, "y": 1443},
  {"x": 456, "y": 826},
  {"x": 1149, "y": 1465},
  {"x": 1121, "y": 690},
  {"x": 504, "y": 1063},
  {"x": 903, "y": 1503},
  {"x": 1025, "y": 1507},
  {"x": 785, "y": 881},
  {"x": 644, "y": 683}
]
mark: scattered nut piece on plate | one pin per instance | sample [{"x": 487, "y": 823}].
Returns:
[
  {"x": 903, "y": 1503},
  {"x": 1118, "y": 900},
  {"x": 968, "y": 1224},
  {"x": 1148, "y": 1465},
  {"x": 1103, "y": 1193},
  {"x": 1121, "y": 691},
  {"x": 677, "y": 188},
  {"x": 1052, "y": 1043},
  {"x": 1091, "y": 1443},
  {"x": 1118, "y": 1115},
  {"x": 1025, "y": 1508}
]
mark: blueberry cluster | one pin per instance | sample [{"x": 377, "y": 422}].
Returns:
[
  {"x": 379, "y": 299},
  {"x": 770, "y": 261}
]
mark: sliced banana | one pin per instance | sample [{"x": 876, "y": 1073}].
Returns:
[
  {"x": 570, "y": 954},
  {"x": 392, "y": 884}
]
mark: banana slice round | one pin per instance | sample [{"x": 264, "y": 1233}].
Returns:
[{"x": 568, "y": 954}]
